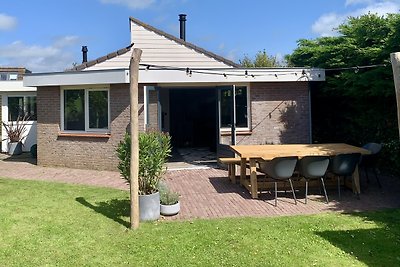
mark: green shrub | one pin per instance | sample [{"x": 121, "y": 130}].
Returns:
[
  {"x": 390, "y": 156},
  {"x": 167, "y": 196},
  {"x": 154, "y": 149}
]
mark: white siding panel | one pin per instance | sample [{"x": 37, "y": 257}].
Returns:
[{"x": 159, "y": 50}]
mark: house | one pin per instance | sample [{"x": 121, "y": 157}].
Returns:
[
  {"x": 183, "y": 89},
  {"x": 17, "y": 100}
]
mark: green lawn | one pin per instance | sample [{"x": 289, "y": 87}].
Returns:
[{"x": 66, "y": 225}]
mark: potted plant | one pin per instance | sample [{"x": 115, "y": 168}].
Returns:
[
  {"x": 154, "y": 149},
  {"x": 16, "y": 132},
  {"x": 169, "y": 201}
]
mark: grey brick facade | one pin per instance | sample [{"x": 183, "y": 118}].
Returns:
[{"x": 279, "y": 114}]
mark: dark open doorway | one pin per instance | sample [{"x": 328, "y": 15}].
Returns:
[{"x": 193, "y": 117}]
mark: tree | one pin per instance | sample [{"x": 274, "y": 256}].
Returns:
[
  {"x": 364, "y": 97},
  {"x": 261, "y": 60},
  {"x": 356, "y": 104}
]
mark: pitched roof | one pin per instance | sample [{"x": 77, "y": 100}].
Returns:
[
  {"x": 184, "y": 43},
  {"x": 161, "y": 33},
  {"x": 101, "y": 59}
]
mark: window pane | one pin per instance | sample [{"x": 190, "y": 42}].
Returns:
[
  {"x": 13, "y": 77},
  {"x": 74, "y": 110},
  {"x": 241, "y": 107},
  {"x": 98, "y": 110},
  {"x": 22, "y": 106},
  {"x": 226, "y": 107}
]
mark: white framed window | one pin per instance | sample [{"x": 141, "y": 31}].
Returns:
[
  {"x": 8, "y": 76},
  {"x": 21, "y": 106},
  {"x": 85, "y": 109},
  {"x": 13, "y": 76},
  {"x": 242, "y": 101}
]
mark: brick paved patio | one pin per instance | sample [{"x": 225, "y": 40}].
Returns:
[{"x": 207, "y": 193}]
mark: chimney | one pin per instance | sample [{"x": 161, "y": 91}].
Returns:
[
  {"x": 182, "y": 20},
  {"x": 84, "y": 54}
]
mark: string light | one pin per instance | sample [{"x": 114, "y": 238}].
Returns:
[
  {"x": 357, "y": 68},
  {"x": 270, "y": 72}
]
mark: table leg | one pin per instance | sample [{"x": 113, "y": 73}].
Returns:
[
  {"x": 356, "y": 182},
  {"x": 242, "y": 170},
  {"x": 232, "y": 173},
  {"x": 253, "y": 178}
]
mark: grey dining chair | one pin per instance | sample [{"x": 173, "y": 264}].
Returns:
[
  {"x": 280, "y": 169},
  {"x": 369, "y": 161},
  {"x": 314, "y": 167},
  {"x": 344, "y": 165}
]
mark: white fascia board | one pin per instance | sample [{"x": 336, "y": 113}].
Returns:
[
  {"x": 230, "y": 75},
  {"x": 15, "y": 86},
  {"x": 77, "y": 78},
  {"x": 219, "y": 76}
]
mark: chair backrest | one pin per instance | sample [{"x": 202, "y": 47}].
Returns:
[
  {"x": 345, "y": 164},
  {"x": 313, "y": 166},
  {"x": 280, "y": 167},
  {"x": 374, "y": 148}
]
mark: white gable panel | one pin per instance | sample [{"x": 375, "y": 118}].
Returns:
[{"x": 160, "y": 51}]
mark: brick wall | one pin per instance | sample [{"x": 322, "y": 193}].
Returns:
[
  {"x": 279, "y": 114},
  {"x": 82, "y": 152},
  {"x": 153, "y": 110}
]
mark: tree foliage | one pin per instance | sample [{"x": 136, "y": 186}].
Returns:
[
  {"x": 261, "y": 60},
  {"x": 356, "y": 105}
]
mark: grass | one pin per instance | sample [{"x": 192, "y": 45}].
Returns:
[{"x": 52, "y": 224}]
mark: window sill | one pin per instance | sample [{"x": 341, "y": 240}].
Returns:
[
  {"x": 238, "y": 132},
  {"x": 88, "y": 135}
]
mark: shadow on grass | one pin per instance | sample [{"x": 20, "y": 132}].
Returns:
[
  {"x": 376, "y": 246},
  {"x": 113, "y": 209}
]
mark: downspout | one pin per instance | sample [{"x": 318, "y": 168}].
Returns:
[{"x": 233, "y": 116}]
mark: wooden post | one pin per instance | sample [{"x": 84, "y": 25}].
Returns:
[
  {"x": 134, "y": 121},
  {"x": 395, "y": 58}
]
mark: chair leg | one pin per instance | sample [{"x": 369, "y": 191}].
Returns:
[
  {"x": 338, "y": 183},
  {"x": 323, "y": 186},
  {"x": 377, "y": 178},
  {"x": 276, "y": 193},
  {"x": 294, "y": 194},
  {"x": 366, "y": 174},
  {"x": 306, "y": 191}
]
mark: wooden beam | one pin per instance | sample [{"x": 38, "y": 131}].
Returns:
[
  {"x": 134, "y": 121},
  {"x": 395, "y": 58}
]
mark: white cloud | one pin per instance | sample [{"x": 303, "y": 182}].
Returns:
[
  {"x": 37, "y": 58},
  {"x": 133, "y": 4},
  {"x": 7, "y": 22},
  {"x": 232, "y": 55},
  {"x": 326, "y": 24}
]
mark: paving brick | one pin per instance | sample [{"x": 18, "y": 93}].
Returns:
[{"x": 208, "y": 193}]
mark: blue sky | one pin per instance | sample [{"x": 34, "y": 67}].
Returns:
[{"x": 47, "y": 35}]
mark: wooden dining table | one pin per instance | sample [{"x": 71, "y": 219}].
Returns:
[{"x": 251, "y": 154}]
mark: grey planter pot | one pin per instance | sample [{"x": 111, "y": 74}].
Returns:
[
  {"x": 169, "y": 210},
  {"x": 149, "y": 207},
  {"x": 15, "y": 148}
]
